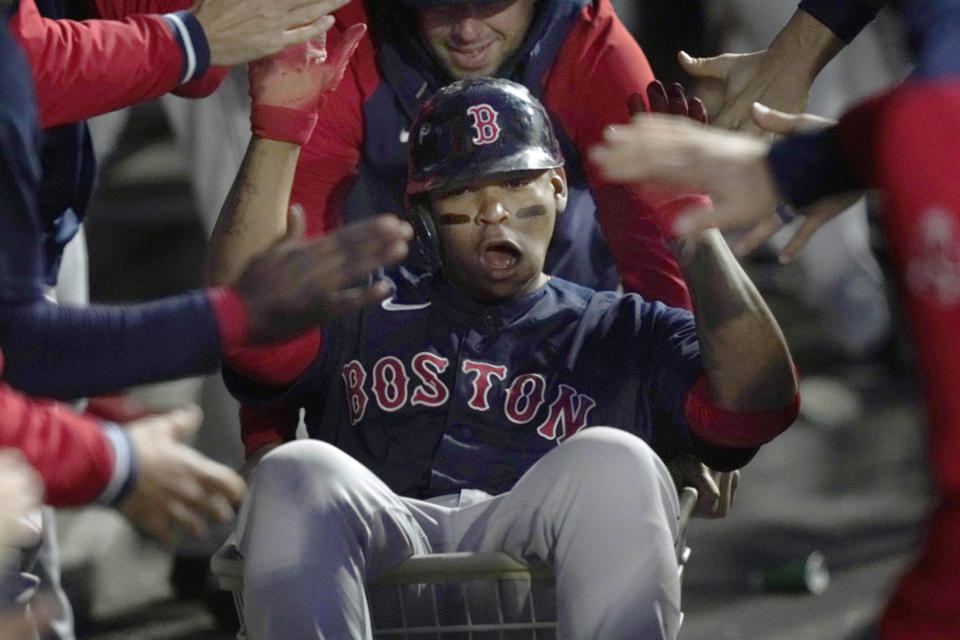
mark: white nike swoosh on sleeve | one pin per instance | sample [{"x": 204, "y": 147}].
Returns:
[{"x": 390, "y": 305}]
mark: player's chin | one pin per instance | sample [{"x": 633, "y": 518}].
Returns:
[{"x": 501, "y": 290}]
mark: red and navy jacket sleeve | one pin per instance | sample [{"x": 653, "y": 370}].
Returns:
[
  {"x": 810, "y": 166},
  {"x": 846, "y": 18},
  {"x": 79, "y": 459},
  {"x": 85, "y": 68},
  {"x": 64, "y": 352},
  {"x": 596, "y": 70}
]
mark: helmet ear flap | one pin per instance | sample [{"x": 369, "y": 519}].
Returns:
[{"x": 426, "y": 240}]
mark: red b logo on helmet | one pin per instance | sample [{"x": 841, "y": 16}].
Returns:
[{"x": 485, "y": 122}]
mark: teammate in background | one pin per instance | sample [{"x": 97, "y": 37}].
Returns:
[
  {"x": 441, "y": 408},
  {"x": 84, "y": 68},
  {"x": 74, "y": 352},
  {"x": 573, "y": 54},
  {"x": 161, "y": 485},
  {"x": 71, "y": 352},
  {"x": 902, "y": 143},
  {"x": 780, "y": 77}
]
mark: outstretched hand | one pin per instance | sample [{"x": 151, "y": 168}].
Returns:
[
  {"x": 239, "y": 31},
  {"x": 814, "y": 216},
  {"x": 730, "y": 167},
  {"x": 297, "y": 284},
  {"x": 729, "y": 84},
  {"x": 298, "y": 77},
  {"x": 177, "y": 489}
]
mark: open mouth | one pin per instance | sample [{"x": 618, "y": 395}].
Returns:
[{"x": 501, "y": 256}]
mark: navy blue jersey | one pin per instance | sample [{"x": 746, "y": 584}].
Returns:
[{"x": 434, "y": 391}]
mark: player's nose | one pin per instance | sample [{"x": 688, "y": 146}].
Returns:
[
  {"x": 492, "y": 210},
  {"x": 467, "y": 26}
]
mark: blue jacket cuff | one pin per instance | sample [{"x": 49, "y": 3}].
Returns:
[
  {"x": 193, "y": 44},
  {"x": 846, "y": 19},
  {"x": 811, "y": 166}
]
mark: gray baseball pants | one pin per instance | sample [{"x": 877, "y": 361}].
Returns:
[{"x": 317, "y": 525}]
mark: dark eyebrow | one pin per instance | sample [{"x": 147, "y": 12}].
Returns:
[
  {"x": 534, "y": 210},
  {"x": 453, "y": 218}
]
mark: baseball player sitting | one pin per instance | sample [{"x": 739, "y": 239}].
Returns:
[{"x": 436, "y": 402}]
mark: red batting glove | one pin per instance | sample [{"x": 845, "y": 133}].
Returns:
[
  {"x": 670, "y": 100},
  {"x": 287, "y": 87}
]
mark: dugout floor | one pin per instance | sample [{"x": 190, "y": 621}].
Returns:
[{"x": 848, "y": 480}]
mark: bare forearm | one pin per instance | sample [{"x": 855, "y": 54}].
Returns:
[
  {"x": 745, "y": 355},
  {"x": 808, "y": 43},
  {"x": 254, "y": 214}
]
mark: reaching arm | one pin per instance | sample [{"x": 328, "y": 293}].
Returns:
[
  {"x": 746, "y": 358},
  {"x": 252, "y": 217},
  {"x": 283, "y": 117},
  {"x": 779, "y": 76},
  {"x": 132, "y": 58}
]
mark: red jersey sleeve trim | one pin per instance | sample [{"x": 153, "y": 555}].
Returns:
[
  {"x": 230, "y": 311},
  {"x": 726, "y": 428},
  {"x": 271, "y": 424},
  {"x": 276, "y": 365}
]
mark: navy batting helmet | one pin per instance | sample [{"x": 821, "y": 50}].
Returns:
[{"x": 475, "y": 128}]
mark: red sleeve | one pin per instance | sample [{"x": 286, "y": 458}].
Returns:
[
  {"x": 276, "y": 365},
  {"x": 330, "y": 160},
  {"x": 70, "y": 451},
  {"x": 118, "y": 9},
  {"x": 270, "y": 424},
  {"x": 597, "y": 69},
  {"x": 737, "y": 429},
  {"x": 83, "y": 69},
  {"x": 904, "y": 143},
  {"x": 863, "y": 128}
]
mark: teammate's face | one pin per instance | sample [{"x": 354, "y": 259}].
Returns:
[
  {"x": 473, "y": 39},
  {"x": 494, "y": 235}
]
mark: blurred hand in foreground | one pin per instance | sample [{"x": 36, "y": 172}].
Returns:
[{"x": 177, "y": 489}]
